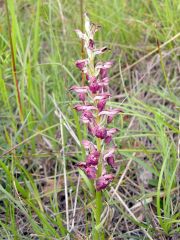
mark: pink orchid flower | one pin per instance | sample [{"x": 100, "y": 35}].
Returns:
[
  {"x": 110, "y": 158},
  {"x": 81, "y": 64},
  {"x": 100, "y": 132},
  {"x": 104, "y": 68},
  {"x": 110, "y": 134},
  {"x": 94, "y": 87},
  {"x": 103, "y": 181},
  {"x": 89, "y": 170},
  {"x": 87, "y": 117},
  {"x": 110, "y": 114},
  {"x": 102, "y": 99},
  {"x": 92, "y": 158},
  {"x": 81, "y": 91}
]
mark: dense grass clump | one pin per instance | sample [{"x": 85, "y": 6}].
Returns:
[{"x": 42, "y": 195}]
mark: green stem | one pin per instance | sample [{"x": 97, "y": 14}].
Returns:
[{"x": 99, "y": 234}]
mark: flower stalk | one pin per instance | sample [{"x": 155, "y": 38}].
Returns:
[{"x": 96, "y": 116}]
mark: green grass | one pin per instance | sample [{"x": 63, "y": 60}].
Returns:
[{"x": 38, "y": 181}]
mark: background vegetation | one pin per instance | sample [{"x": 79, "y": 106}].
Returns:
[{"x": 42, "y": 195}]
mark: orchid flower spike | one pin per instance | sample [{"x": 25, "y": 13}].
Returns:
[{"x": 94, "y": 112}]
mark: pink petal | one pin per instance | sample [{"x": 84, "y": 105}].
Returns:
[
  {"x": 91, "y": 79},
  {"x": 111, "y": 112},
  {"x": 112, "y": 131},
  {"x": 101, "y": 96},
  {"x": 104, "y": 82},
  {"x": 105, "y": 65},
  {"x": 89, "y": 170},
  {"x": 78, "y": 89},
  {"x": 84, "y": 119},
  {"x": 80, "y": 108},
  {"x": 108, "y": 64}
]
